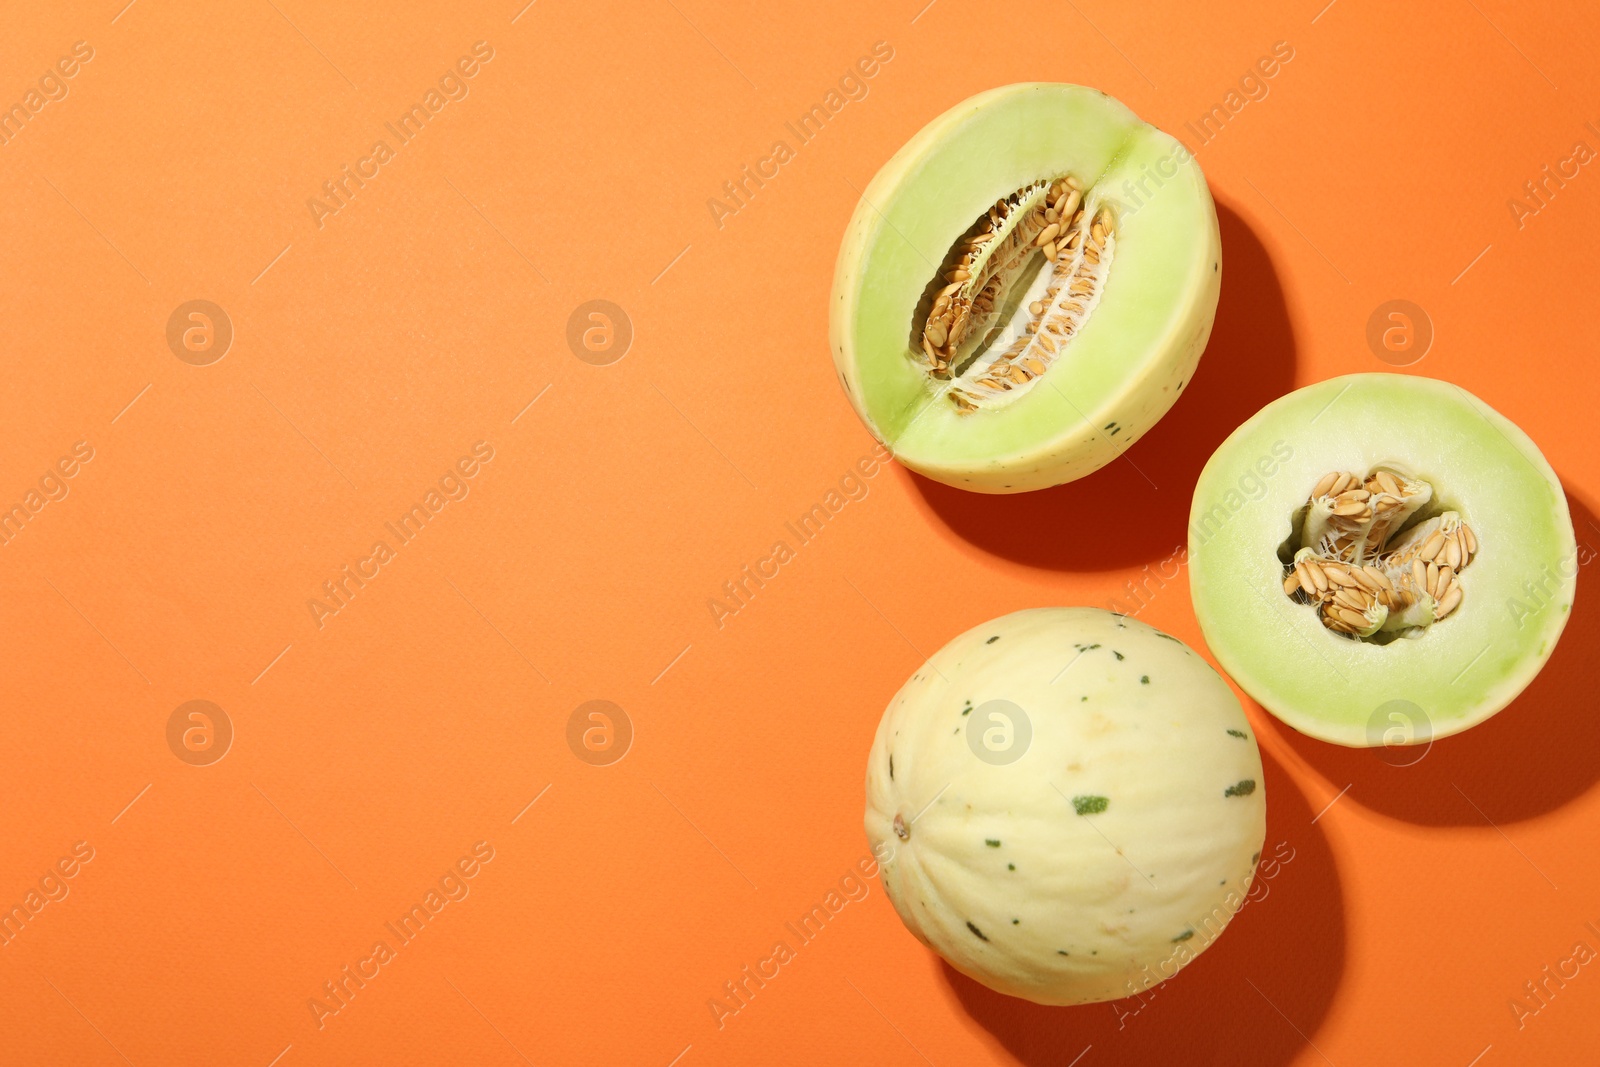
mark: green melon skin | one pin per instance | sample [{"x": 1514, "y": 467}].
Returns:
[
  {"x": 1137, "y": 350},
  {"x": 1517, "y": 592},
  {"x": 1119, "y": 839}
]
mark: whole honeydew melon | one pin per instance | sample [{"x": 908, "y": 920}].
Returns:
[
  {"x": 1381, "y": 559},
  {"x": 1037, "y": 343},
  {"x": 1070, "y": 802}
]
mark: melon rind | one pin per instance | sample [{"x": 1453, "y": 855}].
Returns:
[
  {"x": 1106, "y": 904},
  {"x": 1517, "y": 592},
  {"x": 1125, "y": 368}
]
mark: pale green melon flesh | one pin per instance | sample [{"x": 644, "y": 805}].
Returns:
[
  {"x": 1112, "y": 850},
  {"x": 1126, "y": 366},
  {"x": 1517, "y": 592}
]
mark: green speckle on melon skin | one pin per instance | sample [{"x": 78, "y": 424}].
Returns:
[
  {"x": 1242, "y": 788},
  {"x": 1089, "y": 805}
]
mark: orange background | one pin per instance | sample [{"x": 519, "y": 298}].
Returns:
[{"x": 372, "y": 351}]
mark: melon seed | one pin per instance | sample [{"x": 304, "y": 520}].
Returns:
[
  {"x": 1045, "y": 218},
  {"x": 1361, "y": 571}
]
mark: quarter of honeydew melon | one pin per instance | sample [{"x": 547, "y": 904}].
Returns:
[
  {"x": 1455, "y": 673},
  {"x": 1067, "y": 804},
  {"x": 1138, "y": 346}
]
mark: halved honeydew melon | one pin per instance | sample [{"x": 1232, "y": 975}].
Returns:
[
  {"x": 1381, "y": 559},
  {"x": 1088, "y": 342}
]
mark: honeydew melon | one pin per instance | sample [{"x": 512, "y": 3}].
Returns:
[
  {"x": 1067, "y": 804},
  {"x": 1051, "y": 353},
  {"x": 1457, "y": 605}
]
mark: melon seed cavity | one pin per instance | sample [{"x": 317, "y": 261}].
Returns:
[
  {"x": 978, "y": 279},
  {"x": 1367, "y": 575}
]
